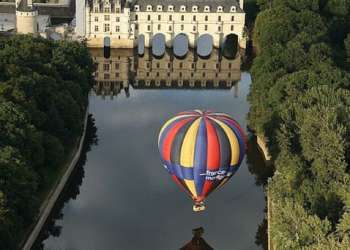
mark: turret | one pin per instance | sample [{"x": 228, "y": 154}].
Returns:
[{"x": 26, "y": 17}]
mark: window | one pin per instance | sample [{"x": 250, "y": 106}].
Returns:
[
  {"x": 180, "y": 74},
  {"x": 159, "y": 17},
  {"x": 183, "y": 8},
  {"x": 170, "y": 17},
  {"x": 149, "y": 17},
  {"x": 106, "y": 76},
  {"x": 219, "y": 8},
  {"x": 149, "y": 7},
  {"x": 192, "y": 65},
  {"x": 170, "y": 28},
  {"x": 149, "y": 27},
  {"x": 117, "y": 74},
  {"x": 136, "y": 17},
  {"x": 194, "y": 18},
  {"x": 96, "y": 28},
  {"x": 195, "y": 8},
  {"x": 170, "y": 8},
  {"x": 182, "y": 17},
  {"x": 232, "y": 27},
  {"x": 158, "y": 65},
  {"x": 106, "y": 27},
  {"x": 117, "y": 19},
  {"x": 117, "y": 28},
  {"x": 117, "y": 10},
  {"x": 204, "y": 65},
  {"x": 159, "y": 26},
  {"x": 230, "y": 65},
  {"x": 203, "y": 74},
  {"x": 136, "y": 26},
  {"x": 96, "y": 9},
  {"x": 96, "y": 18},
  {"x": 205, "y": 27},
  {"x": 233, "y": 9},
  {"x": 232, "y": 18},
  {"x": 206, "y": 18},
  {"x": 106, "y": 17},
  {"x": 182, "y": 27},
  {"x": 206, "y": 9},
  {"x": 159, "y": 7},
  {"x": 107, "y": 10},
  {"x": 181, "y": 65},
  {"x": 117, "y": 66},
  {"x": 137, "y": 7},
  {"x": 219, "y": 18},
  {"x": 194, "y": 28},
  {"x": 157, "y": 74},
  {"x": 219, "y": 28}
]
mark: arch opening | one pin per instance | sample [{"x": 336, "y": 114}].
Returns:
[
  {"x": 205, "y": 45},
  {"x": 158, "y": 45},
  {"x": 141, "y": 45},
  {"x": 229, "y": 47},
  {"x": 180, "y": 45},
  {"x": 106, "y": 47}
]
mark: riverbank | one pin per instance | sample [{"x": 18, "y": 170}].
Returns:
[{"x": 49, "y": 202}]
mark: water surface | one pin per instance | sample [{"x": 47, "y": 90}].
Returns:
[{"x": 125, "y": 199}]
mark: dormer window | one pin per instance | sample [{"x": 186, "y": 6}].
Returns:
[
  {"x": 170, "y": 8},
  {"x": 195, "y": 8},
  {"x": 233, "y": 9},
  {"x": 137, "y": 8},
  {"x": 159, "y": 8},
  {"x": 206, "y": 8},
  {"x": 219, "y": 8},
  {"x": 182, "y": 8},
  {"x": 149, "y": 8}
]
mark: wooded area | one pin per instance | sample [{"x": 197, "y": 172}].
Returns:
[
  {"x": 44, "y": 88},
  {"x": 300, "y": 100}
]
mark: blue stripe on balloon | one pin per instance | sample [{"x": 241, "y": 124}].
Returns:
[
  {"x": 200, "y": 160},
  {"x": 180, "y": 172}
]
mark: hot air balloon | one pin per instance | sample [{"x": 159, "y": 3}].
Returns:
[{"x": 201, "y": 150}]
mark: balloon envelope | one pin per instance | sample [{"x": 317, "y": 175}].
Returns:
[{"x": 201, "y": 150}]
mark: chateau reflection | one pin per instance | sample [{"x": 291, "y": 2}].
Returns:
[{"x": 123, "y": 68}]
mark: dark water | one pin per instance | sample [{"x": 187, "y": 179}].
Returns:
[{"x": 121, "y": 197}]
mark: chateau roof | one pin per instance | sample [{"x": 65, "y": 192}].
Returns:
[{"x": 226, "y": 4}]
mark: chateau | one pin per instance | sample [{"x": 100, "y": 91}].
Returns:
[{"x": 122, "y": 24}]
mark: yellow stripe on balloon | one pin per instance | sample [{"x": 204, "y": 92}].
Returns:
[
  {"x": 191, "y": 187},
  {"x": 235, "y": 150},
  {"x": 170, "y": 121},
  {"x": 188, "y": 145}
]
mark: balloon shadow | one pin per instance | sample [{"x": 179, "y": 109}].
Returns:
[{"x": 197, "y": 242}]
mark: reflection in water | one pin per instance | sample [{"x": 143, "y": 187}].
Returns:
[
  {"x": 197, "y": 242},
  {"x": 262, "y": 172},
  {"x": 123, "y": 68},
  {"x": 72, "y": 189}
]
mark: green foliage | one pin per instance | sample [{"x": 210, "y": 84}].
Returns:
[
  {"x": 44, "y": 87},
  {"x": 300, "y": 100}
]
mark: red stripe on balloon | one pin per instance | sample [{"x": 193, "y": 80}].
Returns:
[
  {"x": 213, "y": 155},
  {"x": 213, "y": 148},
  {"x": 168, "y": 141}
]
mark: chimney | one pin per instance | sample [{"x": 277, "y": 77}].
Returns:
[
  {"x": 241, "y": 4},
  {"x": 29, "y": 3}
]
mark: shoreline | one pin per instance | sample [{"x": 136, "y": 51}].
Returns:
[{"x": 51, "y": 199}]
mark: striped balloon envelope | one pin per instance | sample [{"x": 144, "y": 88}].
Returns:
[{"x": 201, "y": 150}]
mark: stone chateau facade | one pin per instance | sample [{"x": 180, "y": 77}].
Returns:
[{"x": 121, "y": 23}]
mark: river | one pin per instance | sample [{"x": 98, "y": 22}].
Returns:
[{"x": 120, "y": 196}]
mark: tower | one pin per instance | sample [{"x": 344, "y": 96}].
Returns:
[
  {"x": 241, "y": 4},
  {"x": 26, "y": 17},
  {"x": 80, "y": 17}
]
